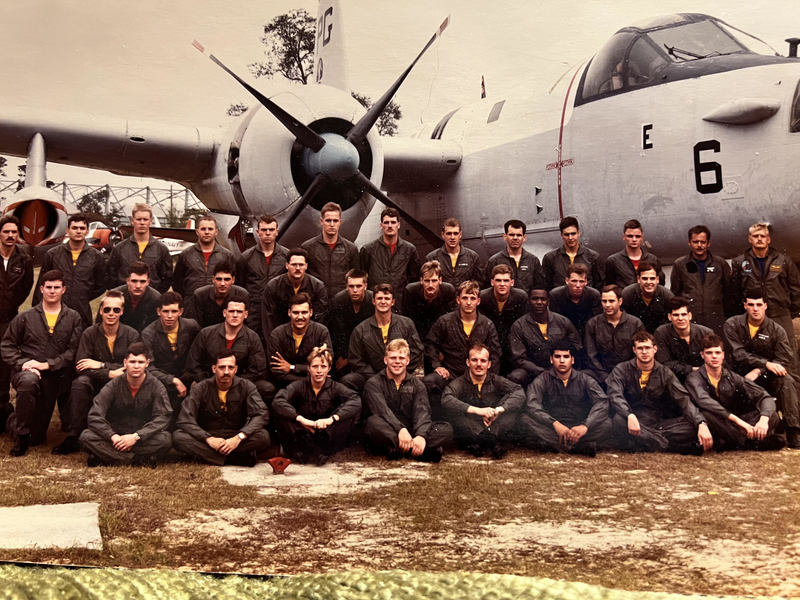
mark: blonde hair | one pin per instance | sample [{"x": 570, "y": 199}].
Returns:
[
  {"x": 398, "y": 345},
  {"x": 759, "y": 226},
  {"x": 140, "y": 207},
  {"x": 321, "y": 352}
]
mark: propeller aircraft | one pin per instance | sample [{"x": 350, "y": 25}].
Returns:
[{"x": 677, "y": 120}]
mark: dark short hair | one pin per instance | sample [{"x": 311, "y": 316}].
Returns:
[
  {"x": 697, "y": 230},
  {"x": 677, "y": 302},
  {"x": 614, "y": 288},
  {"x": 139, "y": 267},
  {"x": 297, "y": 252},
  {"x": 206, "y": 217},
  {"x": 267, "y": 219},
  {"x": 562, "y": 345},
  {"x": 578, "y": 269},
  {"x": 645, "y": 266},
  {"x": 568, "y": 222},
  {"x": 632, "y": 224},
  {"x": 225, "y": 266},
  {"x": 539, "y": 288},
  {"x": 383, "y": 288},
  {"x": 139, "y": 349},
  {"x": 226, "y": 353},
  {"x": 390, "y": 212},
  {"x": 52, "y": 275},
  {"x": 238, "y": 300},
  {"x": 516, "y": 224},
  {"x": 502, "y": 268},
  {"x": 451, "y": 222},
  {"x": 356, "y": 274},
  {"x": 300, "y": 298},
  {"x": 6, "y": 219},
  {"x": 171, "y": 297},
  {"x": 712, "y": 340},
  {"x": 642, "y": 336},
  {"x": 754, "y": 294},
  {"x": 78, "y": 218}
]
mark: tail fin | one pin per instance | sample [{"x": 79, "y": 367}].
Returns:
[{"x": 330, "y": 59}]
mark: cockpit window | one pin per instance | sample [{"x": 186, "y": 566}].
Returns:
[
  {"x": 661, "y": 49},
  {"x": 692, "y": 41}
]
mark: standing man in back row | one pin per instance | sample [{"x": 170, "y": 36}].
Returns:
[
  {"x": 526, "y": 268},
  {"x": 704, "y": 279},
  {"x": 140, "y": 247},
  {"x": 330, "y": 256},
  {"x": 457, "y": 262},
  {"x": 555, "y": 262},
  {"x": 390, "y": 259},
  {"x": 196, "y": 263},
  {"x": 16, "y": 279},
  {"x": 621, "y": 266},
  {"x": 764, "y": 272}
]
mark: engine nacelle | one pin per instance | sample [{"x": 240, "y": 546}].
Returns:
[
  {"x": 42, "y": 217},
  {"x": 260, "y": 167}
]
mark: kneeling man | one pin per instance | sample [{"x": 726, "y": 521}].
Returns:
[
  {"x": 566, "y": 410},
  {"x": 739, "y": 412},
  {"x": 400, "y": 415},
  {"x": 482, "y": 406},
  {"x": 129, "y": 417},
  {"x": 222, "y": 420}
]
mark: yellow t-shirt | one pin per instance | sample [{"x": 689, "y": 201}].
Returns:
[
  {"x": 453, "y": 260},
  {"x": 397, "y": 385},
  {"x": 51, "y": 321},
  {"x": 172, "y": 338},
  {"x": 500, "y": 306},
  {"x": 223, "y": 399},
  {"x": 385, "y": 332},
  {"x": 644, "y": 378},
  {"x": 543, "y": 329},
  {"x": 480, "y": 386},
  {"x": 298, "y": 339},
  {"x": 753, "y": 330},
  {"x": 142, "y": 246},
  {"x": 75, "y": 255},
  {"x": 565, "y": 382},
  {"x": 571, "y": 257},
  {"x": 110, "y": 341},
  {"x": 467, "y": 327},
  {"x": 714, "y": 382}
]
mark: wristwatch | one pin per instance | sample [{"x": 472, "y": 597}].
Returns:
[
  {"x": 291, "y": 367},
  {"x": 241, "y": 436}
]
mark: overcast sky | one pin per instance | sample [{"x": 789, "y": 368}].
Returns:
[{"x": 135, "y": 59}]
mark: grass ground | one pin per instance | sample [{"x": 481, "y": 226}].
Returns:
[{"x": 720, "y": 524}]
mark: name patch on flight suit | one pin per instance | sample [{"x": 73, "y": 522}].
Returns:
[
  {"x": 776, "y": 268},
  {"x": 762, "y": 336},
  {"x": 711, "y": 269}
]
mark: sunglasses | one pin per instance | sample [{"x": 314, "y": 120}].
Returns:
[{"x": 108, "y": 309}]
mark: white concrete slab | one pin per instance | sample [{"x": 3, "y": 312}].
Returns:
[
  {"x": 51, "y": 526},
  {"x": 332, "y": 478}
]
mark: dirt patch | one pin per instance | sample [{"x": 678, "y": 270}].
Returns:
[{"x": 333, "y": 478}]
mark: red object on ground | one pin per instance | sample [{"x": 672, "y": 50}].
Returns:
[{"x": 279, "y": 464}]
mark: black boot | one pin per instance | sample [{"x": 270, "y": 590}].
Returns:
[
  {"x": 68, "y": 446},
  {"x": 21, "y": 446}
]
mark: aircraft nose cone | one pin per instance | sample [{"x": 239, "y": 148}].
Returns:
[{"x": 338, "y": 159}]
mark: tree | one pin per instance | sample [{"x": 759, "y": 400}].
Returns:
[
  {"x": 387, "y": 122},
  {"x": 290, "y": 40},
  {"x": 3, "y": 163},
  {"x": 93, "y": 205}
]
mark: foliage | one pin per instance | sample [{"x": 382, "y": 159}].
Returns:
[
  {"x": 387, "y": 122},
  {"x": 95, "y": 206},
  {"x": 177, "y": 218},
  {"x": 3, "y": 163},
  {"x": 289, "y": 39}
]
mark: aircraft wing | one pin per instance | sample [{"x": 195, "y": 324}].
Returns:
[
  {"x": 412, "y": 164},
  {"x": 144, "y": 149}
]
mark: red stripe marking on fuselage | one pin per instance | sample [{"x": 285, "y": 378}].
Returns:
[{"x": 559, "y": 163}]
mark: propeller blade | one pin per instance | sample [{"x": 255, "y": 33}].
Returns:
[
  {"x": 319, "y": 182},
  {"x": 359, "y": 131},
  {"x": 429, "y": 235},
  {"x": 304, "y": 135}
]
